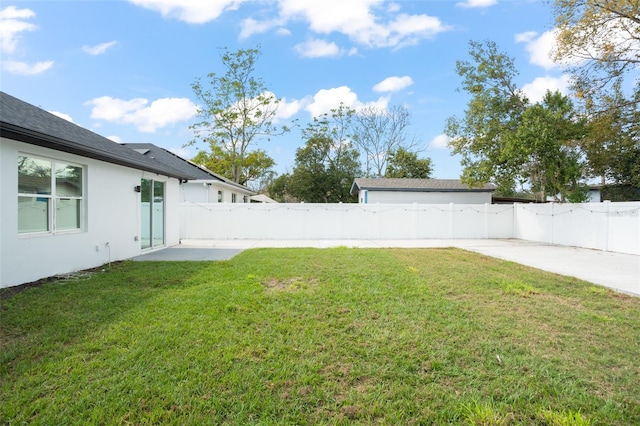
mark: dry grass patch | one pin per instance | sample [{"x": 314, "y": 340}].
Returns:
[{"x": 291, "y": 284}]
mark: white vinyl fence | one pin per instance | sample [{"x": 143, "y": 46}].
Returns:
[
  {"x": 603, "y": 226},
  {"x": 345, "y": 221}
]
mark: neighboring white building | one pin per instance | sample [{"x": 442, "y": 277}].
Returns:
[
  {"x": 262, "y": 198},
  {"x": 72, "y": 200},
  {"x": 595, "y": 194},
  {"x": 421, "y": 191},
  {"x": 207, "y": 187}
]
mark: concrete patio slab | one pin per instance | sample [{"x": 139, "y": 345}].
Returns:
[
  {"x": 182, "y": 253},
  {"x": 617, "y": 271}
]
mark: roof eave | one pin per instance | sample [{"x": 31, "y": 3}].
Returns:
[
  {"x": 355, "y": 188},
  {"x": 10, "y": 131}
]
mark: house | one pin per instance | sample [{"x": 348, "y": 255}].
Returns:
[
  {"x": 422, "y": 191},
  {"x": 595, "y": 194},
  {"x": 207, "y": 187},
  {"x": 72, "y": 200},
  {"x": 262, "y": 198}
]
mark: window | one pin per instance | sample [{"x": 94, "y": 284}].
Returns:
[
  {"x": 219, "y": 196},
  {"x": 233, "y": 198},
  {"x": 50, "y": 195}
]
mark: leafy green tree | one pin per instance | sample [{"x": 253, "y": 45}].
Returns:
[
  {"x": 504, "y": 139},
  {"x": 257, "y": 165},
  {"x": 612, "y": 147},
  {"x": 324, "y": 172},
  {"x": 327, "y": 164},
  {"x": 550, "y": 158},
  {"x": 601, "y": 40},
  {"x": 406, "y": 164},
  {"x": 235, "y": 110},
  {"x": 278, "y": 189},
  {"x": 484, "y": 136},
  {"x": 259, "y": 169}
]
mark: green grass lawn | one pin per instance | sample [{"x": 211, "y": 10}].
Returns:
[{"x": 321, "y": 336}]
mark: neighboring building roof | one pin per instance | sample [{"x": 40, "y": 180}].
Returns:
[
  {"x": 29, "y": 124},
  {"x": 261, "y": 198},
  {"x": 512, "y": 200},
  {"x": 415, "y": 185},
  {"x": 172, "y": 160}
]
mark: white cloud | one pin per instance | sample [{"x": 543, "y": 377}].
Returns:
[
  {"x": 192, "y": 11},
  {"x": 393, "y": 7},
  {"x": 327, "y": 99},
  {"x": 536, "y": 90},
  {"x": 540, "y": 47},
  {"x": 410, "y": 29},
  {"x": 359, "y": 20},
  {"x": 318, "y": 49},
  {"x": 250, "y": 26},
  {"x": 11, "y": 12},
  {"x": 99, "y": 49},
  {"x": 393, "y": 84},
  {"x": 283, "y": 32},
  {"x": 476, "y": 3},
  {"x": 62, "y": 115},
  {"x": 366, "y": 22},
  {"x": 440, "y": 142},
  {"x": 525, "y": 37},
  {"x": 379, "y": 104},
  {"x": 146, "y": 117},
  {"x": 12, "y": 24},
  {"x": 116, "y": 139},
  {"x": 287, "y": 109},
  {"x": 23, "y": 68}
]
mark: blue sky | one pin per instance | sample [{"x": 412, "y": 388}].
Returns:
[{"x": 124, "y": 69}]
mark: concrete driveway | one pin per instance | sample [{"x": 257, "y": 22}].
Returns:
[{"x": 618, "y": 271}]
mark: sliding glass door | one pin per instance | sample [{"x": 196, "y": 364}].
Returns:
[{"x": 152, "y": 213}]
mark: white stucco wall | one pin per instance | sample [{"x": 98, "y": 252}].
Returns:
[
  {"x": 195, "y": 192},
  {"x": 400, "y": 197},
  {"x": 112, "y": 215},
  {"x": 198, "y": 191}
]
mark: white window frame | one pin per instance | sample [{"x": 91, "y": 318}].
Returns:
[{"x": 54, "y": 198}]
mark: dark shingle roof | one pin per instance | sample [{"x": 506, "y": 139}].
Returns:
[
  {"x": 172, "y": 160},
  {"x": 416, "y": 185},
  {"x": 27, "y": 123}
]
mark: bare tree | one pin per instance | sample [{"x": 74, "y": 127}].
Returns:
[{"x": 378, "y": 132}]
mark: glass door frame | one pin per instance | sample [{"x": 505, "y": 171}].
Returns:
[{"x": 152, "y": 220}]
